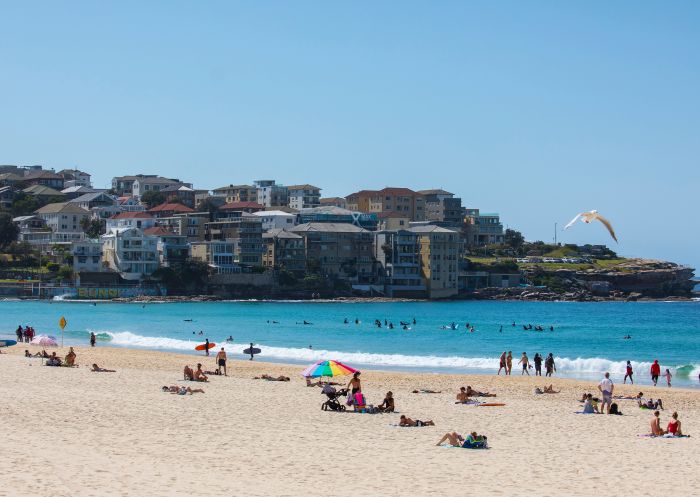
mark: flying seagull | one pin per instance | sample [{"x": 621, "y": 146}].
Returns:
[{"x": 593, "y": 215}]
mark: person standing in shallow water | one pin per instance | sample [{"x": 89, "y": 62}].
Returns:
[
  {"x": 526, "y": 364},
  {"x": 502, "y": 363},
  {"x": 538, "y": 364},
  {"x": 93, "y": 339},
  {"x": 628, "y": 373}
]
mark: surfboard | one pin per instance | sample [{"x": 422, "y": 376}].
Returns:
[
  {"x": 203, "y": 346},
  {"x": 250, "y": 351},
  {"x": 7, "y": 343}
]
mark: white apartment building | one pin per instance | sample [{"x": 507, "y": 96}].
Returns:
[
  {"x": 63, "y": 217},
  {"x": 271, "y": 194},
  {"x": 130, "y": 252},
  {"x": 303, "y": 196},
  {"x": 141, "y": 220},
  {"x": 87, "y": 256},
  {"x": 276, "y": 219}
]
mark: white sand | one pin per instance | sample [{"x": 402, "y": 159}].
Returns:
[{"x": 74, "y": 432}]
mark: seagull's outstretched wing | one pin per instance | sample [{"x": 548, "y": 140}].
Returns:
[
  {"x": 607, "y": 225},
  {"x": 573, "y": 221}
]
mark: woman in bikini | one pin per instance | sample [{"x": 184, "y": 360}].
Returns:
[{"x": 405, "y": 421}]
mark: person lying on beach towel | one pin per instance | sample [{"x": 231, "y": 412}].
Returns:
[
  {"x": 310, "y": 383},
  {"x": 649, "y": 403},
  {"x": 546, "y": 389},
  {"x": 174, "y": 389},
  {"x": 473, "y": 441},
  {"x": 475, "y": 393},
  {"x": 271, "y": 378},
  {"x": 387, "y": 404},
  {"x": 97, "y": 369},
  {"x": 425, "y": 390},
  {"x": 406, "y": 421}
]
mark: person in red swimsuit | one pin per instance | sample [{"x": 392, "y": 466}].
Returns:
[{"x": 674, "y": 426}]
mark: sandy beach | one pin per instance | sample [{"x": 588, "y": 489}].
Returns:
[{"x": 75, "y": 432}]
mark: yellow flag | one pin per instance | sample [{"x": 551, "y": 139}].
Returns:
[{"x": 62, "y": 322}]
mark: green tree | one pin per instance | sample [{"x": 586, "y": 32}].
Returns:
[
  {"x": 24, "y": 205},
  {"x": 8, "y": 230},
  {"x": 65, "y": 273},
  {"x": 93, "y": 228},
  {"x": 209, "y": 205},
  {"x": 152, "y": 198},
  {"x": 514, "y": 239}
]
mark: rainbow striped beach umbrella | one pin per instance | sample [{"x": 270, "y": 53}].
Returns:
[{"x": 327, "y": 368}]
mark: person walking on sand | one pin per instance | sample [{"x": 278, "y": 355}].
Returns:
[
  {"x": 93, "y": 339},
  {"x": 221, "y": 361},
  {"x": 526, "y": 363},
  {"x": 628, "y": 373},
  {"x": 538, "y": 364},
  {"x": 668, "y": 376},
  {"x": 509, "y": 362},
  {"x": 607, "y": 388},
  {"x": 502, "y": 363},
  {"x": 655, "y": 371}
]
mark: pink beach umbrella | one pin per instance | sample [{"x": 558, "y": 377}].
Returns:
[{"x": 44, "y": 341}]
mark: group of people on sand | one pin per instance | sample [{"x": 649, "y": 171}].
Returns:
[
  {"x": 672, "y": 429},
  {"x": 464, "y": 394},
  {"x": 505, "y": 363},
  {"x": 654, "y": 372},
  {"x": 53, "y": 360},
  {"x": 25, "y": 334},
  {"x": 195, "y": 375}
]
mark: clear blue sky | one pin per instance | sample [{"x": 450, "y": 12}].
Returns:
[{"x": 536, "y": 110}]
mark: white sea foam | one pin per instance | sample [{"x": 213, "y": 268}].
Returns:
[{"x": 564, "y": 365}]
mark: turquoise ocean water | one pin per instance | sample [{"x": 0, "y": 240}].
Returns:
[{"x": 587, "y": 337}]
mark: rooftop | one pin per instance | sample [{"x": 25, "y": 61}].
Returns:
[
  {"x": 231, "y": 206},
  {"x": 89, "y": 197},
  {"x": 234, "y": 187},
  {"x": 63, "y": 208},
  {"x": 329, "y": 228},
  {"x": 132, "y": 215},
  {"x": 303, "y": 187},
  {"x": 43, "y": 190},
  {"x": 273, "y": 213},
  {"x": 430, "y": 228},
  {"x": 280, "y": 233},
  {"x": 171, "y": 207},
  {"x": 437, "y": 191}
]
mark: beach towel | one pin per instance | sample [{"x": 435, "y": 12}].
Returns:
[{"x": 668, "y": 435}]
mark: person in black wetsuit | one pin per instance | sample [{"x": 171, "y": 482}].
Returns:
[{"x": 538, "y": 364}]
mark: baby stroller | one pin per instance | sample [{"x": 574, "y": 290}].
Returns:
[{"x": 333, "y": 403}]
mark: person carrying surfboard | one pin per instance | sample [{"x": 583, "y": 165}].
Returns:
[{"x": 206, "y": 346}]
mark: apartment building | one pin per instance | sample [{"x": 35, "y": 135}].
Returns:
[
  {"x": 398, "y": 253},
  {"x": 332, "y": 214},
  {"x": 442, "y": 207},
  {"x": 191, "y": 225},
  {"x": 87, "y": 256},
  {"x": 403, "y": 200},
  {"x": 340, "y": 250},
  {"x": 333, "y": 202},
  {"x": 237, "y": 193},
  {"x": 99, "y": 204},
  {"x": 75, "y": 177},
  {"x": 141, "y": 220},
  {"x": 244, "y": 231},
  {"x": 143, "y": 184},
  {"x": 172, "y": 248},
  {"x": 283, "y": 249},
  {"x": 219, "y": 255},
  {"x": 270, "y": 194},
  {"x": 179, "y": 194},
  {"x": 440, "y": 254},
  {"x": 303, "y": 196},
  {"x": 276, "y": 219},
  {"x": 63, "y": 217}
]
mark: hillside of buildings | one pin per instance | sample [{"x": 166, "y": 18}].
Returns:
[{"x": 151, "y": 236}]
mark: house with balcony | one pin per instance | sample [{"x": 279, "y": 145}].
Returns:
[
  {"x": 339, "y": 250},
  {"x": 244, "y": 231},
  {"x": 303, "y": 196},
  {"x": 43, "y": 177},
  {"x": 99, "y": 204},
  {"x": 142, "y": 184},
  {"x": 169, "y": 209},
  {"x": 172, "y": 247},
  {"x": 482, "y": 228},
  {"x": 442, "y": 208},
  {"x": 130, "y": 252},
  {"x": 403, "y": 200},
  {"x": 75, "y": 177},
  {"x": 190, "y": 225},
  {"x": 87, "y": 256},
  {"x": 63, "y": 217},
  {"x": 398, "y": 253},
  {"x": 219, "y": 255},
  {"x": 283, "y": 249}
]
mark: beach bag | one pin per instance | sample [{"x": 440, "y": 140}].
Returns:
[{"x": 348, "y": 402}]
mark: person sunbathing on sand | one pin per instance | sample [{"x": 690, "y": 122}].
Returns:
[
  {"x": 655, "y": 424},
  {"x": 199, "y": 374},
  {"x": 405, "y": 421},
  {"x": 97, "y": 369},
  {"x": 456, "y": 440},
  {"x": 310, "y": 383},
  {"x": 674, "y": 426},
  {"x": 425, "y": 390},
  {"x": 546, "y": 389},
  {"x": 271, "y": 378},
  {"x": 38, "y": 354},
  {"x": 188, "y": 373},
  {"x": 475, "y": 393},
  {"x": 174, "y": 389}
]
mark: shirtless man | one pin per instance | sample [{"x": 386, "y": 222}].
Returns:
[
  {"x": 355, "y": 384},
  {"x": 406, "y": 421},
  {"x": 199, "y": 374},
  {"x": 525, "y": 362},
  {"x": 221, "y": 361},
  {"x": 656, "y": 430},
  {"x": 462, "y": 396}
]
